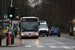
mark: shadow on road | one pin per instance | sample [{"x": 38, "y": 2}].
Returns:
[{"x": 29, "y": 38}]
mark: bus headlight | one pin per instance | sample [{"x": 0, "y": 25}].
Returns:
[
  {"x": 22, "y": 34},
  {"x": 37, "y": 34}
]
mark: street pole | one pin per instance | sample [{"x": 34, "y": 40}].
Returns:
[
  {"x": 11, "y": 3},
  {"x": 62, "y": 16},
  {"x": 46, "y": 10},
  {"x": 2, "y": 25},
  {"x": 5, "y": 8},
  {"x": 2, "y": 17},
  {"x": 52, "y": 14}
]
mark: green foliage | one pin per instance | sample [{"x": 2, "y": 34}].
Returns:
[{"x": 44, "y": 11}]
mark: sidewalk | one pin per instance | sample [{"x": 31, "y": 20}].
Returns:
[
  {"x": 15, "y": 42},
  {"x": 68, "y": 36}
]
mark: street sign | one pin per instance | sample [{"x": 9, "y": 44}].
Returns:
[{"x": 5, "y": 15}]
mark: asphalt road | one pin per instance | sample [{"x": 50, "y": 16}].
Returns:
[{"x": 45, "y": 43}]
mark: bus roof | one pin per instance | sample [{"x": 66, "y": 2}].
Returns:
[{"x": 28, "y": 17}]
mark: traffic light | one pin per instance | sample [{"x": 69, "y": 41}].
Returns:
[{"x": 11, "y": 13}]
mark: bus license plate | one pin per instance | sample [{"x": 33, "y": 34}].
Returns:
[{"x": 29, "y": 36}]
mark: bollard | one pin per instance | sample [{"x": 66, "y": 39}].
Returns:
[
  {"x": 11, "y": 39},
  {"x": 6, "y": 39},
  {"x": 0, "y": 39},
  {"x": 9, "y": 36}
]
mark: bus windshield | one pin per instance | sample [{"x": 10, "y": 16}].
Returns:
[{"x": 29, "y": 26}]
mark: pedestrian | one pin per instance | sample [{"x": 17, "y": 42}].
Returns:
[{"x": 15, "y": 30}]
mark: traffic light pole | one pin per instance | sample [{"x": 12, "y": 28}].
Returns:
[
  {"x": 2, "y": 17},
  {"x": 2, "y": 24},
  {"x": 5, "y": 10},
  {"x": 10, "y": 25},
  {"x": 62, "y": 16},
  {"x": 11, "y": 3}
]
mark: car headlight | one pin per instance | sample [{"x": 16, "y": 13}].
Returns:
[
  {"x": 37, "y": 34},
  {"x": 46, "y": 30},
  {"x": 22, "y": 34},
  {"x": 38, "y": 30}
]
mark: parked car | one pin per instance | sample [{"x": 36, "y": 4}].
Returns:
[
  {"x": 55, "y": 31},
  {"x": 43, "y": 29}
]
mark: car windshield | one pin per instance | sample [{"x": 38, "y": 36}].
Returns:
[
  {"x": 29, "y": 26},
  {"x": 43, "y": 26},
  {"x": 55, "y": 28}
]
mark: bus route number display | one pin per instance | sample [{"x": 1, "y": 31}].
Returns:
[{"x": 23, "y": 19}]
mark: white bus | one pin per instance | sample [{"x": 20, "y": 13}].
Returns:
[{"x": 29, "y": 27}]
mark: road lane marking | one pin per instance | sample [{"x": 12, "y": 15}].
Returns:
[
  {"x": 27, "y": 45},
  {"x": 58, "y": 42},
  {"x": 65, "y": 47},
  {"x": 40, "y": 46},
  {"x": 72, "y": 46},
  {"x": 33, "y": 41},
  {"x": 36, "y": 42},
  {"x": 52, "y": 46}
]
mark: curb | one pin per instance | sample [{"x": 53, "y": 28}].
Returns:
[
  {"x": 68, "y": 36},
  {"x": 9, "y": 46}
]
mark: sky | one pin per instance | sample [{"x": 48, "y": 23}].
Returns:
[{"x": 33, "y": 3}]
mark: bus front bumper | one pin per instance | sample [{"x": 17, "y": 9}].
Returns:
[{"x": 29, "y": 35}]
